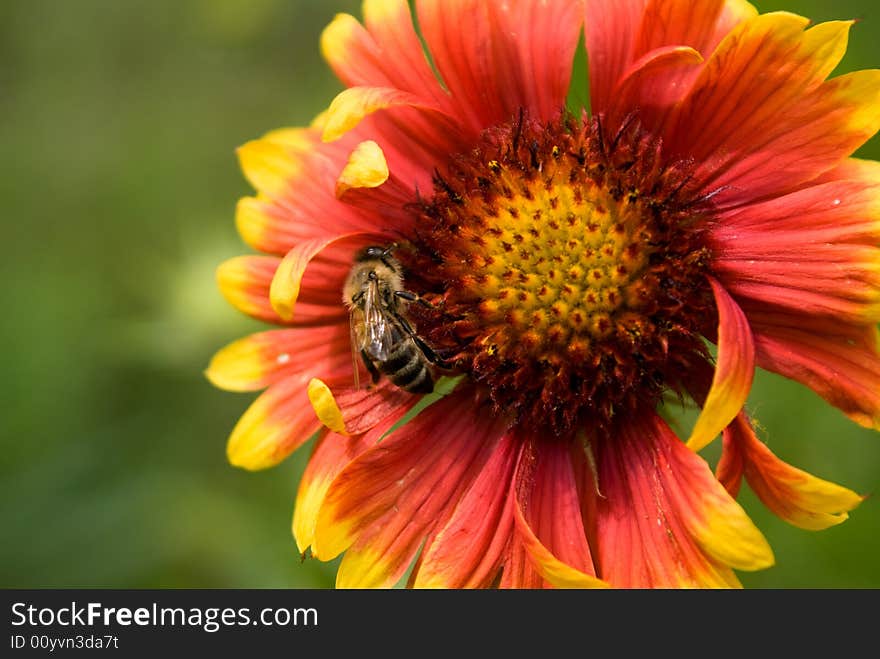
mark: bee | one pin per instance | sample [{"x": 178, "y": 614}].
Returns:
[{"x": 380, "y": 332}]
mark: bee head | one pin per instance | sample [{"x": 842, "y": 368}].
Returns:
[{"x": 377, "y": 253}]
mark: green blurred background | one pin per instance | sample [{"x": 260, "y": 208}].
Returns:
[{"x": 119, "y": 121}]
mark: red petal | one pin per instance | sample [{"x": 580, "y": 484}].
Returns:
[
  {"x": 729, "y": 470},
  {"x": 838, "y": 361},
  {"x": 467, "y": 550},
  {"x": 362, "y": 409},
  {"x": 611, "y": 29},
  {"x": 813, "y": 251},
  {"x": 548, "y": 516},
  {"x": 510, "y": 56}
]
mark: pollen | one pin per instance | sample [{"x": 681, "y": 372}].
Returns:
[{"x": 567, "y": 262}]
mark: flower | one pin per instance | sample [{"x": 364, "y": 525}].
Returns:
[{"x": 571, "y": 267}]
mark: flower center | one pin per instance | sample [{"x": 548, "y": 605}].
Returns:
[{"x": 569, "y": 270}]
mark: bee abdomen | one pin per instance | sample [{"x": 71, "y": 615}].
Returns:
[{"x": 406, "y": 369}]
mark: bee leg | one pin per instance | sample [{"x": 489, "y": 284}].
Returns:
[
  {"x": 427, "y": 350},
  {"x": 371, "y": 367},
  {"x": 413, "y": 297}
]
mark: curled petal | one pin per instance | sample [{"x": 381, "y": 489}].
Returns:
[
  {"x": 701, "y": 25},
  {"x": 366, "y": 168},
  {"x": 623, "y": 32},
  {"x": 245, "y": 282},
  {"x": 652, "y": 84},
  {"x": 794, "y": 495},
  {"x": 325, "y": 406},
  {"x": 734, "y": 371},
  {"x": 353, "y": 104},
  {"x": 731, "y": 464},
  {"x": 285, "y": 288}
]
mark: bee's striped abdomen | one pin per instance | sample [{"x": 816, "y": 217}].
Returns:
[{"x": 406, "y": 368}]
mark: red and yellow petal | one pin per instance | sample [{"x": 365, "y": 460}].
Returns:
[
  {"x": 669, "y": 49},
  {"x": 664, "y": 520},
  {"x": 796, "y": 496},
  {"x": 296, "y": 175},
  {"x": 332, "y": 454},
  {"x": 407, "y": 467},
  {"x": 813, "y": 251},
  {"x": 259, "y": 360},
  {"x": 466, "y": 551},
  {"x": 245, "y": 280},
  {"x": 272, "y": 163},
  {"x": 547, "y": 511},
  {"x": 698, "y": 25},
  {"x": 385, "y": 53},
  {"x": 382, "y": 505},
  {"x": 621, "y": 33},
  {"x": 759, "y": 117},
  {"x": 264, "y": 226},
  {"x": 275, "y": 425},
  {"x": 734, "y": 371}
]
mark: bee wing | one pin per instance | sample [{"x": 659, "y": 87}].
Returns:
[
  {"x": 357, "y": 336},
  {"x": 378, "y": 339}
]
